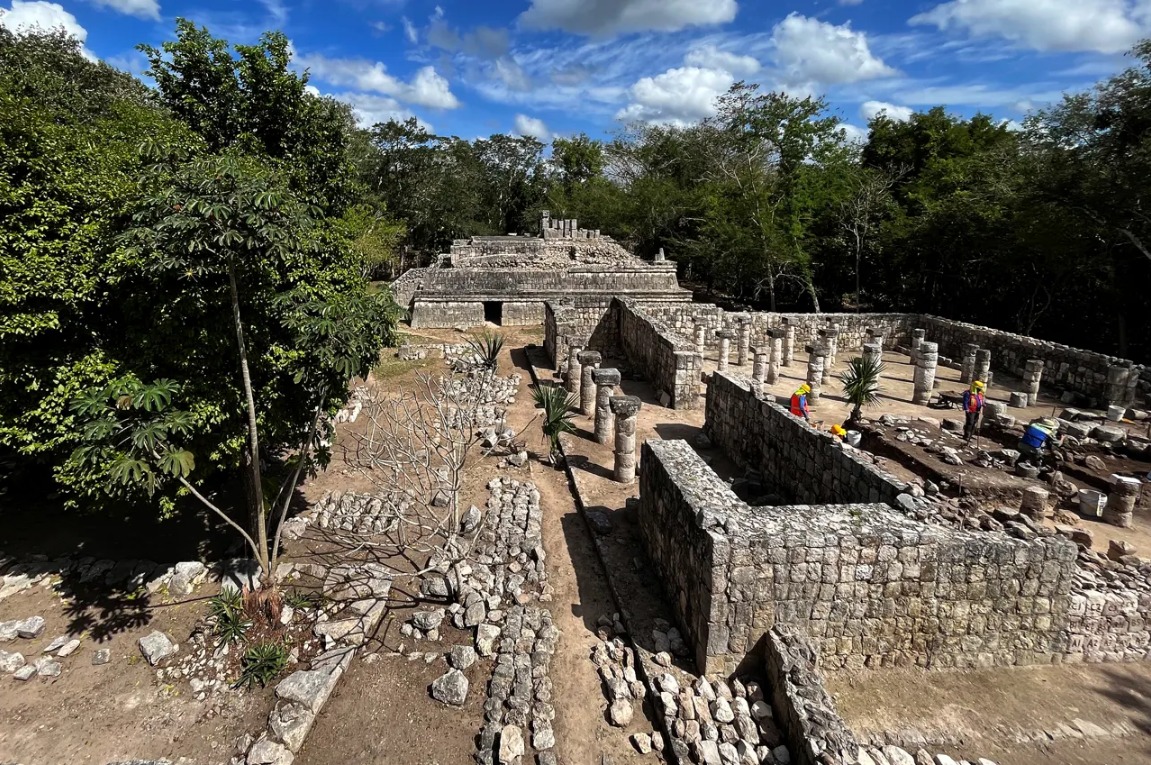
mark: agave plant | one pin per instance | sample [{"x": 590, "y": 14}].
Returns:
[
  {"x": 557, "y": 405},
  {"x": 861, "y": 384},
  {"x": 487, "y": 348}
]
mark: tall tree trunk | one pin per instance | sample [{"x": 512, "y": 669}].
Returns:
[
  {"x": 255, "y": 480},
  {"x": 811, "y": 291}
]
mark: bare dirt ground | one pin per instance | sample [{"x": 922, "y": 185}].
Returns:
[
  {"x": 987, "y": 711},
  {"x": 91, "y": 715},
  {"x": 381, "y": 711}
]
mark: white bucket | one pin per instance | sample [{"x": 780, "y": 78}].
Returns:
[
  {"x": 1092, "y": 502},
  {"x": 853, "y": 438},
  {"x": 1115, "y": 413}
]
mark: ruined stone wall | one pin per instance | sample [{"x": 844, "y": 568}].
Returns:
[
  {"x": 1064, "y": 367},
  {"x": 796, "y": 461},
  {"x": 587, "y": 320},
  {"x": 404, "y": 288},
  {"x": 522, "y": 314},
  {"x": 868, "y": 585},
  {"x": 447, "y": 313},
  {"x": 667, "y": 359}
]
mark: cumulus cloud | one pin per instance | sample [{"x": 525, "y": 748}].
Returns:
[
  {"x": 854, "y": 133},
  {"x": 410, "y": 31},
  {"x": 870, "y": 109},
  {"x": 485, "y": 42},
  {"x": 1106, "y": 26},
  {"x": 37, "y": 14},
  {"x": 602, "y": 18},
  {"x": 711, "y": 57},
  {"x": 144, "y": 9},
  {"x": 371, "y": 109},
  {"x": 810, "y": 51},
  {"x": 531, "y": 126},
  {"x": 427, "y": 88},
  {"x": 678, "y": 96}
]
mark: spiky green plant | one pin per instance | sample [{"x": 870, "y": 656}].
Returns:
[
  {"x": 262, "y": 663},
  {"x": 861, "y": 383},
  {"x": 300, "y": 600},
  {"x": 487, "y": 347},
  {"x": 231, "y": 622},
  {"x": 557, "y": 405}
]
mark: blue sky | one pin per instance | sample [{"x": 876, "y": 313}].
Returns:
[{"x": 559, "y": 67}]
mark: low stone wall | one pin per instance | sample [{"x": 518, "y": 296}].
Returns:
[
  {"x": 522, "y": 314},
  {"x": 870, "y": 586},
  {"x": 446, "y": 313},
  {"x": 587, "y": 320},
  {"x": 794, "y": 460},
  {"x": 1064, "y": 367},
  {"x": 815, "y": 732},
  {"x": 668, "y": 360}
]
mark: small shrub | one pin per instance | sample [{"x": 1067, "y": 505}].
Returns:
[
  {"x": 300, "y": 599},
  {"x": 262, "y": 663},
  {"x": 861, "y": 384},
  {"x": 557, "y": 405},
  {"x": 487, "y": 347},
  {"x": 231, "y": 623}
]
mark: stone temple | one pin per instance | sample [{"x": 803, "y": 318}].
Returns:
[{"x": 507, "y": 280}]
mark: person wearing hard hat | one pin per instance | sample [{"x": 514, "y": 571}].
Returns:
[
  {"x": 972, "y": 408},
  {"x": 838, "y": 431},
  {"x": 1038, "y": 437},
  {"x": 799, "y": 402}
]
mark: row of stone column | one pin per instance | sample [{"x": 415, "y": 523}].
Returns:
[
  {"x": 613, "y": 415},
  {"x": 1118, "y": 511}
]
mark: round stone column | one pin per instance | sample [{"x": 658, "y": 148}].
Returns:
[
  {"x": 1034, "y": 503},
  {"x": 776, "y": 340},
  {"x": 829, "y": 339},
  {"x": 575, "y": 370},
  {"x": 700, "y": 340},
  {"x": 982, "y": 366},
  {"x": 589, "y": 362},
  {"x": 917, "y": 337},
  {"x": 816, "y": 356},
  {"x": 744, "y": 342},
  {"x": 967, "y": 366},
  {"x": 1120, "y": 507},
  {"x": 759, "y": 364},
  {"x": 606, "y": 381},
  {"x": 626, "y": 411},
  {"x": 1116, "y": 391},
  {"x": 725, "y": 336},
  {"x": 788, "y": 342},
  {"x": 1032, "y": 374},
  {"x": 928, "y": 355},
  {"x": 876, "y": 337}
]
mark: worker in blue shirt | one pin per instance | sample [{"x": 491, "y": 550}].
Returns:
[{"x": 1039, "y": 437}]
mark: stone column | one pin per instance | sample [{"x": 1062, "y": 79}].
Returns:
[
  {"x": 575, "y": 370},
  {"x": 744, "y": 342},
  {"x": 816, "y": 357},
  {"x": 776, "y": 338},
  {"x": 589, "y": 361},
  {"x": 967, "y": 367},
  {"x": 1121, "y": 504},
  {"x": 724, "y": 348},
  {"x": 982, "y": 366},
  {"x": 788, "y": 342},
  {"x": 605, "y": 382},
  {"x": 928, "y": 360},
  {"x": 873, "y": 351},
  {"x": 1116, "y": 391},
  {"x": 877, "y": 337},
  {"x": 1034, "y": 503},
  {"x": 700, "y": 340},
  {"x": 1032, "y": 374},
  {"x": 759, "y": 363},
  {"x": 917, "y": 336},
  {"x": 625, "y": 409},
  {"x": 829, "y": 339}
]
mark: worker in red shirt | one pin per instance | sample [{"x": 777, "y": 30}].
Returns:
[
  {"x": 799, "y": 402},
  {"x": 972, "y": 407}
]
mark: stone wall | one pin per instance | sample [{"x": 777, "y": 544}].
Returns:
[
  {"x": 447, "y": 313},
  {"x": 586, "y": 320},
  {"x": 667, "y": 359},
  {"x": 794, "y": 460},
  {"x": 1064, "y": 367},
  {"x": 522, "y": 314},
  {"x": 868, "y": 585}
]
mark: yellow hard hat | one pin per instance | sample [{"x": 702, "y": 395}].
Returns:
[
  {"x": 978, "y": 385},
  {"x": 838, "y": 430},
  {"x": 805, "y": 388}
]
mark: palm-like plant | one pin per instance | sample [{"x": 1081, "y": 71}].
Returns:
[
  {"x": 487, "y": 348},
  {"x": 861, "y": 383},
  {"x": 557, "y": 405}
]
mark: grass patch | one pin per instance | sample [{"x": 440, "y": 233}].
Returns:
[{"x": 392, "y": 367}]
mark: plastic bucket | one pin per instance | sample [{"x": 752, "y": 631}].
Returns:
[
  {"x": 1092, "y": 502},
  {"x": 1115, "y": 413},
  {"x": 853, "y": 438}
]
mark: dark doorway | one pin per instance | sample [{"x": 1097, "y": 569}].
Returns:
[{"x": 494, "y": 312}]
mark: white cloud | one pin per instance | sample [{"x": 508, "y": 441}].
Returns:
[
  {"x": 37, "y": 14},
  {"x": 531, "y": 126},
  {"x": 870, "y": 109},
  {"x": 427, "y": 88},
  {"x": 600, "y": 18},
  {"x": 810, "y": 51},
  {"x": 850, "y": 2},
  {"x": 854, "y": 133},
  {"x": 711, "y": 57},
  {"x": 371, "y": 109},
  {"x": 677, "y": 97},
  {"x": 144, "y": 9},
  {"x": 1106, "y": 26},
  {"x": 410, "y": 31}
]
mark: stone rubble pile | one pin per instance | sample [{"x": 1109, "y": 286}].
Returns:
[
  {"x": 480, "y": 401},
  {"x": 355, "y": 512},
  {"x": 179, "y": 580}
]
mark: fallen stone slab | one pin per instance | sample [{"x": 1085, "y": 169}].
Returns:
[
  {"x": 46, "y": 667},
  {"x": 310, "y": 688},
  {"x": 462, "y": 656},
  {"x": 511, "y": 745},
  {"x": 68, "y": 648},
  {"x": 268, "y": 752},
  {"x": 10, "y": 662},
  {"x": 29, "y": 628},
  {"x": 102, "y": 656},
  {"x": 157, "y": 646},
  {"x": 451, "y": 688},
  {"x": 290, "y": 723},
  {"x": 27, "y": 672}
]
